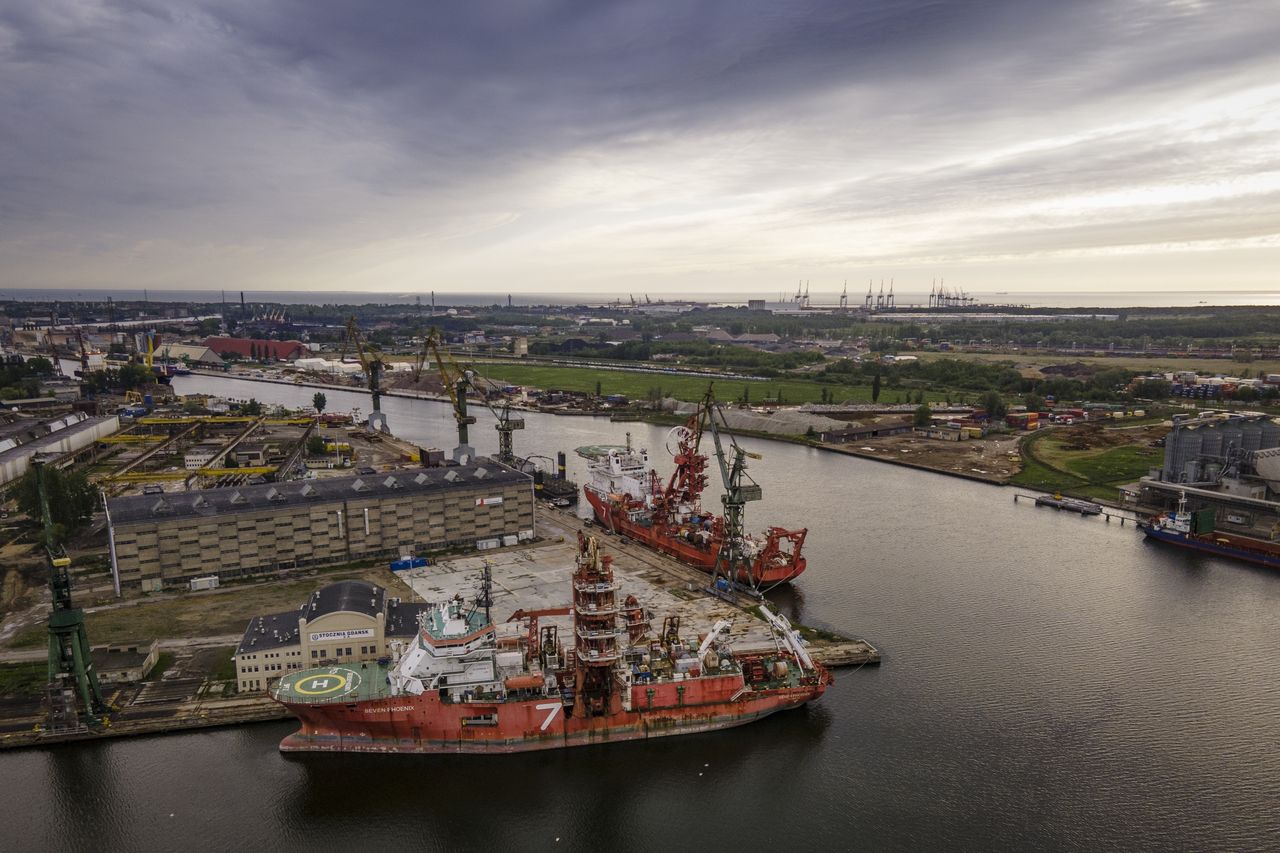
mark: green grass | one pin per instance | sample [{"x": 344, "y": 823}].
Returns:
[
  {"x": 164, "y": 660},
  {"x": 23, "y": 679},
  {"x": 1117, "y": 465},
  {"x": 1048, "y": 467},
  {"x": 31, "y": 637},
  {"x": 226, "y": 669},
  {"x": 1037, "y": 475},
  {"x": 636, "y": 385},
  {"x": 1137, "y": 363}
]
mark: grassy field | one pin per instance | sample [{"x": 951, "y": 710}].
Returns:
[
  {"x": 1095, "y": 473},
  {"x": 208, "y": 614},
  {"x": 1159, "y": 364},
  {"x": 226, "y": 669},
  {"x": 23, "y": 679},
  {"x": 636, "y": 385}
]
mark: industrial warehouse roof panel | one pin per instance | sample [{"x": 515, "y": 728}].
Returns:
[
  {"x": 136, "y": 509},
  {"x": 271, "y": 631},
  {"x": 345, "y": 596}
]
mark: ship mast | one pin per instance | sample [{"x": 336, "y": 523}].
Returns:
[{"x": 595, "y": 627}]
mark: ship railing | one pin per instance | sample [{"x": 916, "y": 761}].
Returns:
[
  {"x": 605, "y": 634},
  {"x": 591, "y": 612},
  {"x": 596, "y": 587},
  {"x": 599, "y": 657}
]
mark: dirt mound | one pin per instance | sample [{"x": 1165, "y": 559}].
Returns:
[
  {"x": 1073, "y": 370},
  {"x": 780, "y": 422}
]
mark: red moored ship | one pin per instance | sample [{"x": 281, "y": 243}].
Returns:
[
  {"x": 461, "y": 687},
  {"x": 628, "y": 497}
]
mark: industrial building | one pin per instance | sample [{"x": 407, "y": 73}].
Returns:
[
  {"x": 1226, "y": 462},
  {"x": 197, "y": 355},
  {"x": 1199, "y": 450},
  {"x": 125, "y": 664},
  {"x": 257, "y": 348},
  {"x": 23, "y": 437},
  {"x": 345, "y": 622},
  {"x": 159, "y": 540}
]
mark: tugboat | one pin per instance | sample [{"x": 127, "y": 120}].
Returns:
[
  {"x": 462, "y": 687},
  {"x": 1196, "y": 530},
  {"x": 629, "y": 498}
]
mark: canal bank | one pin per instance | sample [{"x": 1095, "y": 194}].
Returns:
[{"x": 663, "y": 419}]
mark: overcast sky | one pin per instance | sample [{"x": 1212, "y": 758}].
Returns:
[{"x": 647, "y": 146}]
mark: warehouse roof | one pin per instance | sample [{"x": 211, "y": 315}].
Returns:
[
  {"x": 345, "y": 596},
  {"x": 266, "y": 496},
  {"x": 270, "y": 632}
]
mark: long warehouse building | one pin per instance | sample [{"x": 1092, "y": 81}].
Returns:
[{"x": 165, "y": 540}]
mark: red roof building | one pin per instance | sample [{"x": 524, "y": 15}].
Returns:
[{"x": 250, "y": 347}]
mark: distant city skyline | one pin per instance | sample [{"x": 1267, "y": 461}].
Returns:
[{"x": 611, "y": 149}]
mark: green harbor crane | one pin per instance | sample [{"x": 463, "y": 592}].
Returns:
[{"x": 73, "y": 682}]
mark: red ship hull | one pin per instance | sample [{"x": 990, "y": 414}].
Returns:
[
  {"x": 613, "y": 517},
  {"x": 425, "y": 724}
]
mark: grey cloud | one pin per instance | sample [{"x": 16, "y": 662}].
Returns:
[{"x": 267, "y": 129}]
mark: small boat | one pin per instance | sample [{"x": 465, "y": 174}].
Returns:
[{"x": 1070, "y": 504}]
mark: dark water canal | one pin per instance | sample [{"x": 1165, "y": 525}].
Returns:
[{"x": 1049, "y": 683}]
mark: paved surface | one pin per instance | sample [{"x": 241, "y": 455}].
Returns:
[{"x": 538, "y": 577}]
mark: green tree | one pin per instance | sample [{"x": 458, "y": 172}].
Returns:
[
  {"x": 993, "y": 404},
  {"x": 253, "y": 407},
  {"x": 318, "y": 402},
  {"x": 875, "y": 388},
  {"x": 597, "y": 387},
  {"x": 72, "y": 499},
  {"x": 134, "y": 375},
  {"x": 1034, "y": 402},
  {"x": 1246, "y": 393},
  {"x": 923, "y": 416},
  {"x": 1153, "y": 389},
  {"x": 315, "y": 446},
  {"x": 39, "y": 366}
]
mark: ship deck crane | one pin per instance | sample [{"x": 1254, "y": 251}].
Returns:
[
  {"x": 739, "y": 490},
  {"x": 371, "y": 360}
]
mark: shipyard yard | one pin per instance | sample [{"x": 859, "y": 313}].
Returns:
[
  {"x": 198, "y": 691},
  {"x": 538, "y": 577}
]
